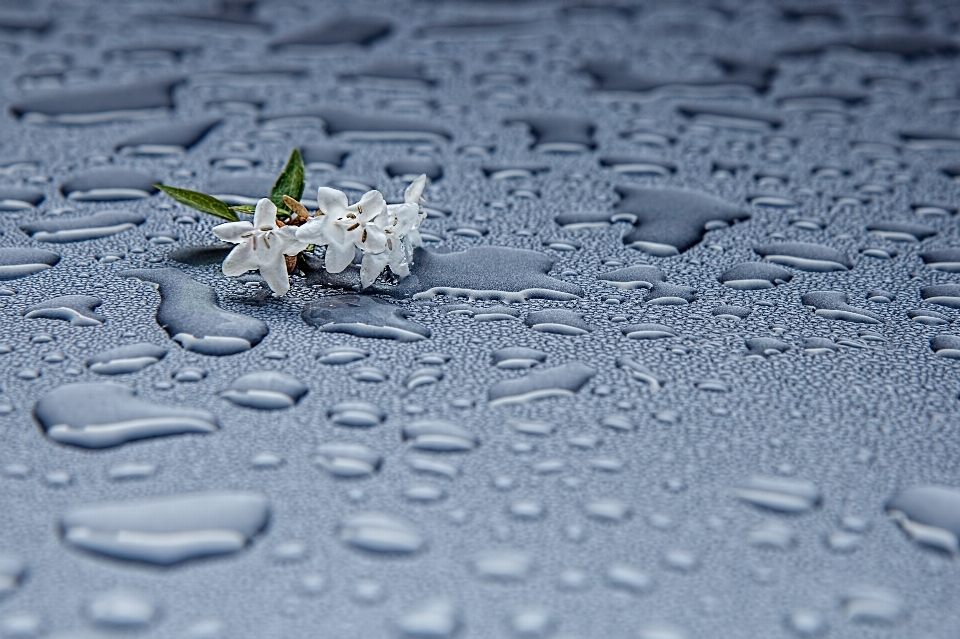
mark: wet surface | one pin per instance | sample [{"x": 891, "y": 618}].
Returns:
[{"x": 678, "y": 357}]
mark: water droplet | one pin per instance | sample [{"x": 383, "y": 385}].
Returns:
[
  {"x": 670, "y": 221},
  {"x": 632, "y": 277},
  {"x": 870, "y": 604},
  {"x": 833, "y": 305},
  {"x": 517, "y": 358},
  {"x": 762, "y": 347},
  {"x": 531, "y": 427},
  {"x": 504, "y": 565},
  {"x": 342, "y": 459},
  {"x": 381, "y": 533},
  {"x": 943, "y": 259},
  {"x": 76, "y": 309},
  {"x": 12, "y": 571},
  {"x": 781, "y": 494},
  {"x": 189, "y": 313},
  {"x": 189, "y": 375},
  {"x": 167, "y": 530},
  {"x": 356, "y": 125},
  {"x": 627, "y": 578},
  {"x": 664, "y": 293},
  {"x": 805, "y": 256},
  {"x": 121, "y": 610},
  {"x": 930, "y": 515},
  {"x": 943, "y": 294},
  {"x": 106, "y": 415},
  {"x": 751, "y": 276},
  {"x": 424, "y": 493},
  {"x": 167, "y": 139},
  {"x": 439, "y": 436},
  {"x": 126, "y": 359},
  {"x": 423, "y": 377},
  {"x": 99, "y": 104},
  {"x": 132, "y": 470},
  {"x": 731, "y": 117},
  {"x": 565, "y": 380},
  {"x": 559, "y": 133},
  {"x": 434, "y": 618},
  {"x": 608, "y": 510},
  {"x": 356, "y": 414},
  {"x": 632, "y": 165},
  {"x": 635, "y": 370},
  {"x": 772, "y": 534},
  {"x": 806, "y": 623},
  {"x": 532, "y": 622},
  {"x": 339, "y": 355},
  {"x": 265, "y": 390},
  {"x": 647, "y": 331},
  {"x": 484, "y": 272},
  {"x": 21, "y": 262},
  {"x": 363, "y": 317},
  {"x": 901, "y": 231},
  {"x": 21, "y": 625},
  {"x": 946, "y": 346}
]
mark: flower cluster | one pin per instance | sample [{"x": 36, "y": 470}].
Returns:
[
  {"x": 282, "y": 228},
  {"x": 386, "y": 234}
]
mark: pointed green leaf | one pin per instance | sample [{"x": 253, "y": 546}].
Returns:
[
  {"x": 244, "y": 208},
  {"x": 200, "y": 201},
  {"x": 290, "y": 182}
]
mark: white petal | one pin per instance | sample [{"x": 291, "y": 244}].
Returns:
[
  {"x": 370, "y": 268},
  {"x": 408, "y": 218},
  {"x": 331, "y": 201},
  {"x": 399, "y": 267},
  {"x": 274, "y": 272},
  {"x": 316, "y": 231},
  {"x": 265, "y": 217},
  {"x": 370, "y": 206},
  {"x": 339, "y": 256},
  {"x": 231, "y": 231},
  {"x": 415, "y": 190},
  {"x": 413, "y": 239},
  {"x": 376, "y": 239},
  {"x": 240, "y": 260},
  {"x": 289, "y": 243}
]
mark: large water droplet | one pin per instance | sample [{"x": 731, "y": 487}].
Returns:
[
  {"x": 381, "y": 533},
  {"x": 565, "y": 380},
  {"x": 168, "y": 530},
  {"x": 106, "y": 415},
  {"x": 121, "y": 610},
  {"x": 76, "y": 309},
  {"x": 348, "y": 460},
  {"x": 930, "y": 515},
  {"x": 266, "y": 390},
  {"x": 781, "y": 494},
  {"x": 126, "y": 359},
  {"x": 363, "y": 317},
  {"x": 21, "y": 262},
  {"x": 189, "y": 313}
]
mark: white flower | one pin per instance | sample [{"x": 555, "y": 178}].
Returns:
[
  {"x": 399, "y": 224},
  {"x": 343, "y": 229},
  {"x": 260, "y": 246},
  {"x": 412, "y": 214}
]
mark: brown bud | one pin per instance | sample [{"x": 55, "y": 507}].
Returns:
[
  {"x": 299, "y": 209},
  {"x": 291, "y": 261}
]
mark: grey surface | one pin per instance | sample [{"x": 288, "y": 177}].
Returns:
[{"x": 650, "y": 466}]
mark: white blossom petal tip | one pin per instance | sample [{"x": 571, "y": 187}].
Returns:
[{"x": 414, "y": 192}]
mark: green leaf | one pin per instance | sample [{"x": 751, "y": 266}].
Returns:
[
  {"x": 200, "y": 201},
  {"x": 244, "y": 208},
  {"x": 290, "y": 181}
]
